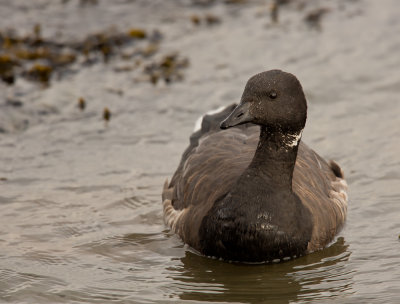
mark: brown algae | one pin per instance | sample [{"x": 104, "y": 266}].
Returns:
[
  {"x": 36, "y": 58},
  {"x": 81, "y": 103},
  {"x": 106, "y": 114}
]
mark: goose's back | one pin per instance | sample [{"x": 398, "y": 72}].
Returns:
[{"x": 214, "y": 161}]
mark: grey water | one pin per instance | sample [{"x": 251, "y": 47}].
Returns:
[{"x": 80, "y": 198}]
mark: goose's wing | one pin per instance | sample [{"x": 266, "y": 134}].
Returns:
[
  {"x": 323, "y": 190},
  {"x": 213, "y": 162},
  {"x": 208, "y": 173}
]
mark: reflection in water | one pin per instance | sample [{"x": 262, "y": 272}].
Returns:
[
  {"x": 319, "y": 274},
  {"x": 324, "y": 274}
]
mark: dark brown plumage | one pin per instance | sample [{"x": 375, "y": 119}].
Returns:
[{"x": 248, "y": 195}]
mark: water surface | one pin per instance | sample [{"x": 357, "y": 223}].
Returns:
[{"x": 80, "y": 203}]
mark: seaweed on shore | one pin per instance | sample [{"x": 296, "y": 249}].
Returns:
[
  {"x": 36, "y": 58},
  {"x": 169, "y": 68}
]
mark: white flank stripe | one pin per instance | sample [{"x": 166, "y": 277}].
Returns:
[{"x": 197, "y": 125}]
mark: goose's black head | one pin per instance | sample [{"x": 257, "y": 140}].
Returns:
[{"x": 274, "y": 99}]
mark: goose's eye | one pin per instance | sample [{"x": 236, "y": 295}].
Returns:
[{"x": 272, "y": 95}]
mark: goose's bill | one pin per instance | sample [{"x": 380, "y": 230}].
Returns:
[{"x": 240, "y": 115}]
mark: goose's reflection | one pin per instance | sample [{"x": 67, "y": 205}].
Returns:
[{"x": 204, "y": 279}]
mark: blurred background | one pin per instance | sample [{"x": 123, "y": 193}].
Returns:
[{"x": 97, "y": 103}]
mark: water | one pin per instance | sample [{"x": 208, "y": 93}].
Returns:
[{"x": 80, "y": 205}]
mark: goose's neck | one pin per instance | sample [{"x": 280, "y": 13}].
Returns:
[{"x": 275, "y": 157}]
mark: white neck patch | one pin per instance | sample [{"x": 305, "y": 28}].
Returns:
[{"x": 292, "y": 140}]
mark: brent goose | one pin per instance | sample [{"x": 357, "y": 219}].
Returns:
[{"x": 248, "y": 189}]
